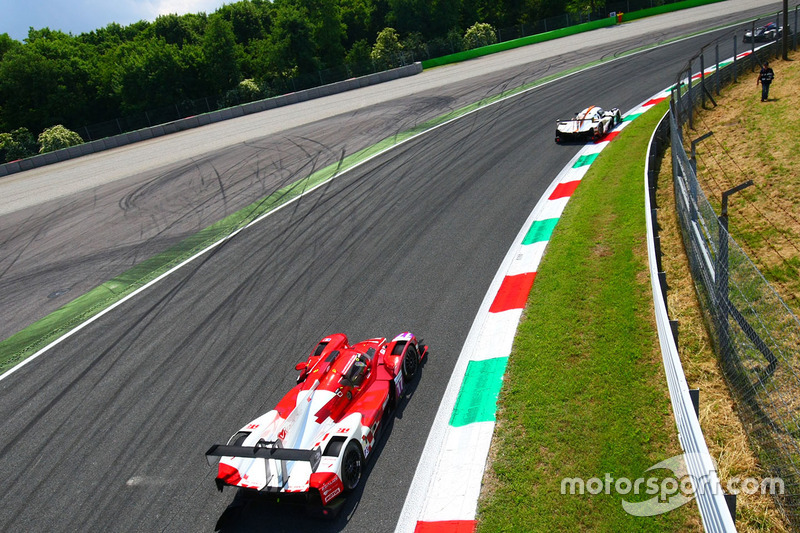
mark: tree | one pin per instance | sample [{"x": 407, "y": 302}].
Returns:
[
  {"x": 479, "y": 34},
  {"x": 18, "y": 144},
  {"x": 358, "y": 58},
  {"x": 150, "y": 73},
  {"x": 179, "y": 30},
  {"x": 357, "y": 19},
  {"x": 387, "y": 48},
  {"x": 221, "y": 64},
  {"x": 6, "y": 44},
  {"x": 292, "y": 44},
  {"x": 58, "y": 137},
  {"x": 247, "y": 91},
  {"x": 47, "y": 79},
  {"x": 325, "y": 17},
  {"x": 250, "y": 21}
]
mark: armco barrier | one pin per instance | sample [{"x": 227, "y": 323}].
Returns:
[
  {"x": 701, "y": 467},
  {"x": 207, "y": 118}
]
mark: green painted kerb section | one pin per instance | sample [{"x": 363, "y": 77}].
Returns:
[
  {"x": 540, "y": 231},
  {"x": 585, "y": 160},
  {"x": 477, "y": 399}
]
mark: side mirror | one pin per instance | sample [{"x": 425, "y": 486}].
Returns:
[{"x": 301, "y": 366}]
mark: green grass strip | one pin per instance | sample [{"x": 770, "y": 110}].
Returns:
[
  {"x": 584, "y": 393},
  {"x": 477, "y": 398}
]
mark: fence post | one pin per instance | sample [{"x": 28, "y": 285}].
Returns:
[
  {"x": 691, "y": 101},
  {"x": 735, "y": 59},
  {"x": 721, "y": 273},
  {"x": 703, "y": 76}
]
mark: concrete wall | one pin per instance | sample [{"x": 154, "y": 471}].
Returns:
[{"x": 207, "y": 118}]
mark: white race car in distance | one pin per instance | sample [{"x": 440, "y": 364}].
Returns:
[{"x": 591, "y": 123}]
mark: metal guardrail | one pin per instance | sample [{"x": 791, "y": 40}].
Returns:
[{"x": 700, "y": 465}]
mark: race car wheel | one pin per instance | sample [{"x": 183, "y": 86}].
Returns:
[
  {"x": 352, "y": 466},
  {"x": 410, "y": 363},
  {"x": 599, "y": 132}
]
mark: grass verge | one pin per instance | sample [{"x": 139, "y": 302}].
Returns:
[{"x": 585, "y": 393}]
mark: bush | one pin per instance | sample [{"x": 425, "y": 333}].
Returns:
[
  {"x": 56, "y": 138},
  {"x": 247, "y": 91},
  {"x": 387, "y": 48},
  {"x": 358, "y": 60},
  {"x": 480, "y": 34},
  {"x": 18, "y": 144}
]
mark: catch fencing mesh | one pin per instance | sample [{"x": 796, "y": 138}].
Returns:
[{"x": 755, "y": 334}]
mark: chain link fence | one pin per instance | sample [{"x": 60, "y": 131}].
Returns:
[{"x": 755, "y": 334}]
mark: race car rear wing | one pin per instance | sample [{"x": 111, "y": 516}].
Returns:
[{"x": 265, "y": 450}]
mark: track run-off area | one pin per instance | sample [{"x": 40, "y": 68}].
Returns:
[{"x": 106, "y": 430}]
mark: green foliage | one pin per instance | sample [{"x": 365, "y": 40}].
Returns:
[
  {"x": 293, "y": 48},
  {"x": 479, "y": 34},
  {"x": 414, "y": 46},
  {"x": 220, "y": 65},
  {"x": 387, "y": 48},
  {"x": 116, "y": 71},
  {"x": 56, "y": 138},
  {"x": 358, "y": 58},
  {"x": 6, "y": 44},
  {"x": 18, "y": 144},
  {"x": 179, "y": 30},
  {"x": 247, "y": 91}
]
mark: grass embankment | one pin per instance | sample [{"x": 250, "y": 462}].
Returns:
[
  {"x": 752, "y": 140},
  {"x": 758, "y": 141},
  {"x": 585, "y": 393}
]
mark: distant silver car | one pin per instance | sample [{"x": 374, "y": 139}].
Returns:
[
  {"x": 591, "y": 123},
  {"x": 768, "y": 32}
]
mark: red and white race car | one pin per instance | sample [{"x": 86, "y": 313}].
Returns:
[{"x": 313, "y": 445}]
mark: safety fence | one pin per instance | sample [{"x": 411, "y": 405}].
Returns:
[{"x": 755, "y": 335}]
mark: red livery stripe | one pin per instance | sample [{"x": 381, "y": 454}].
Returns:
[
  {"x": 513, "y": 292},
  {"x": 447, "y": 526},
  {"x": 564, "y": 190}
]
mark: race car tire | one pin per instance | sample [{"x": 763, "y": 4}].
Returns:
[
  {"x": 600, "y": 132},
  {"x": 352, "y": 466},
  {"x": 410, "y": 363}
]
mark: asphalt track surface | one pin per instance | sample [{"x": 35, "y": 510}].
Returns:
[{"x": 107, "y": 430}]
